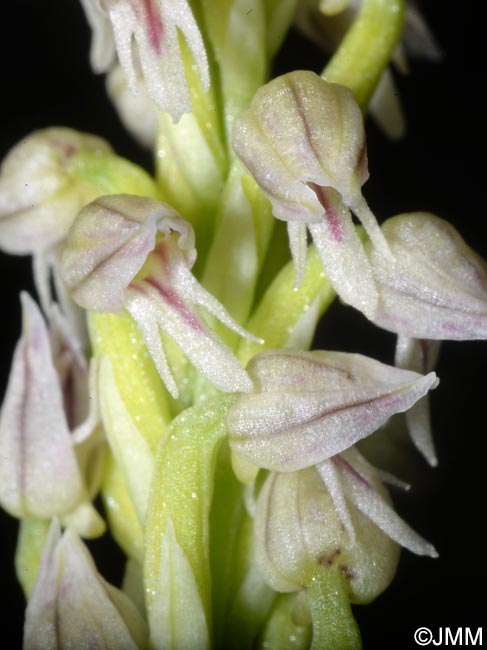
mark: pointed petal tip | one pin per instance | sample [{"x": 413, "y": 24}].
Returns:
[{"x": 430, "y": 551}]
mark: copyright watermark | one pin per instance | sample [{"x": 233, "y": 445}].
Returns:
[{"x": 449, "y": 636}]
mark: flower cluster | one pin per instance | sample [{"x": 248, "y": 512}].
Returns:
[{"x": 167, "y": 367}]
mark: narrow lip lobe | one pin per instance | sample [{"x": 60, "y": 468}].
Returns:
[{"x": 171, "y": 297}]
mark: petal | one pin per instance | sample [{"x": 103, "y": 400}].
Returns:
[
  {"x": 309, "y": 406},
  {"x": 38, "y": 466},
  {"x": 154, "y": 25},
  {"x": 368, "y": 501},
  {"x": 298, "y": 244},
  {"x": 72, "y": 606},
  {"x": 102, "y": 51},
  {"x": 343, "y": 256},
  {"x": 108, "y": 244},
  {"x": 419, "y": 355},
  {"x": 436, "y": 288},
  {"x": 299, "y": 129},
  {"x": 162, "y": 307},
  {"x": 386, "y": 108},
  {"x": 167, "y": 299},
  {"x": 331, "y": 480},
  {"x": 136, "y": 110},
  {"x": 72, "y": 371}
]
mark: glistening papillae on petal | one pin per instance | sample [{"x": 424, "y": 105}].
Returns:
[
  {"x": 303, "y": 141},
  {"x": 436, "y": 286},
  {"x": 39, "y": 474},
  {"x": 309, "y": 406},
  {"x": 419, "y": 355},
  {"x": 71, "y": 605},
  {"x": 137, "y": 253},
  {"x": 359, "y": 481},
  {"x": 146, "y": 34}
]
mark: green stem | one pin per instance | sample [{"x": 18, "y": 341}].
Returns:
[
  {"x": 334, "y": 627},
  {"x": 367, "y": 48}
]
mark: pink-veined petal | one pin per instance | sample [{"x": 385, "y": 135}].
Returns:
[
  {"x": 38, "y": 467},
  {"x": 109, "y": 243},
  {"x": 361, "y": 493},
  {"x": 309, "y": 406},
  {"x": 153, "y": 25},
  {"x": 436, "y": 287},
  {"x": 342, "y": 255}
]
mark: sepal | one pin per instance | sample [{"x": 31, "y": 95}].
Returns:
[
  {"x": 436, "y": 286},
  {"x": 309, "y": 406}
]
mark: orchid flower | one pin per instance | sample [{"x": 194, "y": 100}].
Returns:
[
  {"x": 72, "y": 606},
  {"x": 435, "y": 289},
  {"x": 145, "y": 33},
  {"x": 303, "y": 141},
  {"x": 338, "y": 513},
  {"x": 115, "y": 258},
  {"x": 309, "y": 406}
]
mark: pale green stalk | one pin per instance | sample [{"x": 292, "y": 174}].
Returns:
[
  {"x": 367, "y": 48},
  {"x": 287, "y": 316},
  {"x": 334, "y": 627}
]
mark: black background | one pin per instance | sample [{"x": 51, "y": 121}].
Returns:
[{"x": 46, "y": 80}]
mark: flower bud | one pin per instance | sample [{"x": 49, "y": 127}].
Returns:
[
  {"x": 309, "y": 406},
  {"x": 303, "y": 141},
  {"x": 39, "y": 196},
  {"x": 72, "y": 606},
  {"x": 436, "y": 287},
  {"x": 39, "y": 473}
]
